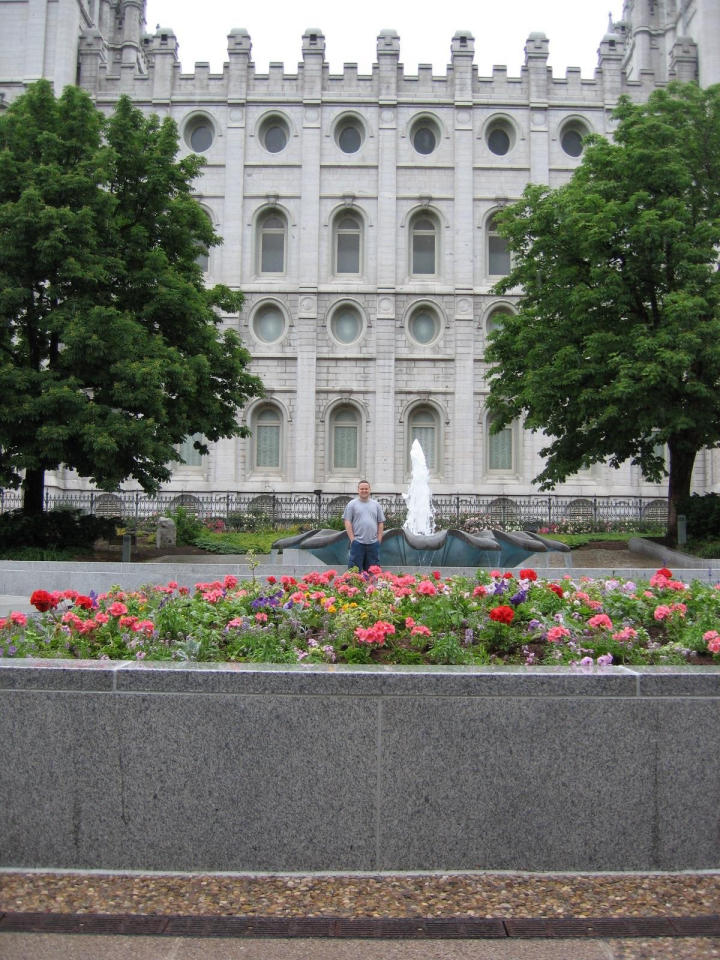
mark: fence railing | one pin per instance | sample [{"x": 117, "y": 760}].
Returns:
[{"x": 533, "y": 511}]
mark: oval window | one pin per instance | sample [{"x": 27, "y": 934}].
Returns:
[
  {"x": 346, "y": 324},
  {"x": 349, "y": 138},
  {"x": 423, "y": 326},
  {"x": 268, "y": 323},
  {"x": 199, "y": 134},
  {"x": 274, "y": 134},
  {"x": 424, "y": 139},
  {"x": 498, "y": 141},
  {"x": 572, "y": 142}
]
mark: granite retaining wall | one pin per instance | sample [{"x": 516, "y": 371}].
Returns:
[{"x": 217, "y": 767}]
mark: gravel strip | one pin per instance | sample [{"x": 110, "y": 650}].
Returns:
[{"x": 486, "y": 895}]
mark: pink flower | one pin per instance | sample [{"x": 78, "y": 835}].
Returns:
[
  {"x": 261, "y": 617},
  {"x": 427, "y": 588},
  {"x": 374, "y": 570},
  {"x": 117, "y": 609},
  {"x": 18, "y": 618},
  {"x": 230, "y": 582},
  {"x": 556, "y": 634},
  {"x": 627, "y": 633},
  {"x": 662, "y": 612},
  {"x": 409, "y": 622},
  {"x": 479, "y": 591},
  {"x": 376, "y": 633},
  {"x": 101, "y": 617},
  {"x": 601, "y": 620},
  {"x": 712, "y": 638},
  {"x": 419, "y": 630}
]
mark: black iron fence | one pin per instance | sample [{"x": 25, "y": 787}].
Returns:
[{"x": 533, "y": 511}]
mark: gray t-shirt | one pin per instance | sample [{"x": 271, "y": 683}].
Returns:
[{"x": 365, "y": 517}]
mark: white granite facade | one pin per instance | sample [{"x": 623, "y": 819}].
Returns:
[{"x": 356, "y": 212}]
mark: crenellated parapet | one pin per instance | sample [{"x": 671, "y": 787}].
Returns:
[{"x": 159, "y": 75}]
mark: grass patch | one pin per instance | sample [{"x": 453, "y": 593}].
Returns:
[
  {"x": 582, "y": 539},
  {"x": 37, "y": 553},
  {"x": 708, "y": 549},
  {"x": 259, "y": 541}
]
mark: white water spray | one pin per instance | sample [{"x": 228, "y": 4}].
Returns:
[{"x": 420, "y": 513}]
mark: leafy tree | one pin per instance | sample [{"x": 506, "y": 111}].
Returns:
[
  {"x": 111, "y": 349},
  {"x": 615, "y": 350}
]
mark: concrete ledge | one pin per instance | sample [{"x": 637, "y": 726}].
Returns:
[
  {"x": 219, "y": 767},
  {"x": 667, "y": 557}
]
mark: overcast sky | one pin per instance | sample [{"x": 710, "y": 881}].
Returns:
[{"x": 500, "y": 28}]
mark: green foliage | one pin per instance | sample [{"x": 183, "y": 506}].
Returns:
[
  {"x": 703, "y": 516},
  {"x": 187, "y": 525},
  {"x": 57, "y": 530},
  {"x": 112, "y": 348},
  {"x": 615, "y": 350}
]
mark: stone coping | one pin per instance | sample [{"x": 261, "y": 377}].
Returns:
[{"x": 243, "y": 679}]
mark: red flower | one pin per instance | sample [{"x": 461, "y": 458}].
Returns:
[
  {"x": 556, "y": 588},
  {"x": 502, "y": 614},
  {"x": 271, "y": 579},
  {"x": 508, "y": 575},
  {"x": 664, "y": 572},
  {"x": 436, "y": 574},
  {"x": 528, "y": 575},
  {"x": 84, "y": 602},
  {"x": 42, "y": 600}
]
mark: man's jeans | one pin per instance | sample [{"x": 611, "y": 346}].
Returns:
[{"x": 364, "y": 555}]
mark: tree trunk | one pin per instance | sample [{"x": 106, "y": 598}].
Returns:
[
  {"x": 682, "y": 460},
  {"x": 33, "y": 491}
]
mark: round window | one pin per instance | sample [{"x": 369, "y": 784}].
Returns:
[
  {"x": 274, "y": 134},
  {"x": 424, "y": 138},
  {"x": 423, "y": 326},
  {"x": 268, "y": 324},
  {"x": 572, "y": 142},
  {"x": 199, "y": 134},
  {"x": 346, "y": 324},
  {"x": 498, "y": 141},
  {"x": 349, "y": 138}
]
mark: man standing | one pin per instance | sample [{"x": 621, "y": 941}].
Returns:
[{"x": 364, "y": 524}]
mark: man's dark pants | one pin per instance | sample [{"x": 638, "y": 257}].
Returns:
[{"x": 364, "y": 555}]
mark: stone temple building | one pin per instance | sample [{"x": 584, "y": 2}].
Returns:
[{"x": 357, "y": 212}]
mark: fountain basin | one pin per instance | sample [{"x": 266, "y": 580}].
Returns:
[{"x": 446, "y": 548}]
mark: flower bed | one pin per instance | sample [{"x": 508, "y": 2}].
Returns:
[{"x": 385, "y": 618}]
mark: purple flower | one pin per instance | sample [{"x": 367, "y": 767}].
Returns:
[
  {"x": 518, "y": 598},
  {"x": 499, "y": 588},
  {"x": 469, "y": 637}
]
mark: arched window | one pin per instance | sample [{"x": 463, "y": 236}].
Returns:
[
  {"x": 267, "y": 431},
  {"x": 345, "y": 439},
  {"x": 272, "y": 237},
  {"x": 423, "y": 426},
  {"x": 423, "y": 240},
  {"x": 500, "y": 448},
  {"x": 498, "y": 251},
  {"x": 348, "y": 243},
  {"x": 190, "y": 455}
]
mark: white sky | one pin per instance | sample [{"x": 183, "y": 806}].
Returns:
[{"x": 500, "y": 27}]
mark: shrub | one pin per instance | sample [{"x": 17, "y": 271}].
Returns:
[
  {"x": 703, "y": 516},
  {"x": 54, "y": 530},
  {"x": 188, "y": 527}
]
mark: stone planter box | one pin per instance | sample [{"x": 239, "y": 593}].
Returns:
[{"x": 216, "y": 767}]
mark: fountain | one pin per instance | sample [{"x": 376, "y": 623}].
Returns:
[{"x": 418, "y": 544}]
